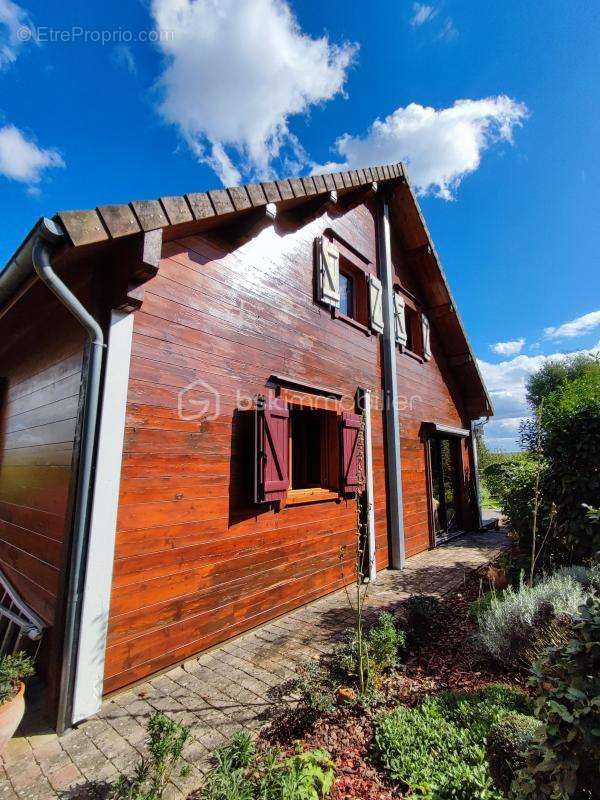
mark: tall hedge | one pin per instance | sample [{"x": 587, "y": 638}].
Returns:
[{"x": 571, "y": 442}]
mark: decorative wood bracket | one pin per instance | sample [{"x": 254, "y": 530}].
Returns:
[
  {"x": 251, "y": 223},
  {"x": 358, "y": 195},
  {"x": 435, "y": 312},
  {"x": 460, "y": 360},
  {"x": 311, "y": 208},
  {"x": 136, "y": 262}
]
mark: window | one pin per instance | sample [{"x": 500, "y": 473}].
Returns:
[
  {"x": 347, "y": 291},
  {"x": 414, "y": 339},
  {"x": 304, "y": 451},
  {"x": 305, "y": 448}
]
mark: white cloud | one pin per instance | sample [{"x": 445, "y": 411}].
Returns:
[
  {"x": 22, "y": 160},
  {"x": 448, "y": 32},
  {"x": 576, "y": 327},
  {"x": 508, "y": 348},
  {"x": 123, "y": 57},
  {"x": 441, "y": 146},
  {"x": 422, "y": 14},
  {"x": 505, "y": 382},
  {"x": 14, "y": 24},
  {"x": 236, "y": 72}
]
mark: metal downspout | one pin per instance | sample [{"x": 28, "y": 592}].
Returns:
[
  {"x": 41, "y": 259},
  {"x": 391, "y": 404}
]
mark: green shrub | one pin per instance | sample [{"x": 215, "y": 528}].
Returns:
[
  {"x": 517, "y": 628},
  {"x": 14, "y": 669},
  {"x": 566, "y": 762},
  {"x": 508, "y": 743},
  {"x": 420, "y": 612},
  {"x": 480, "y": 606},
  {"x": 437, "y": 750},
  {"x": 317, "y": 686},
  {"x": 382, "y": 643},
  {"x": 571, "y": 426},
  {"x": 242, "y": 773},
  {"x": 165, "y": 743}
]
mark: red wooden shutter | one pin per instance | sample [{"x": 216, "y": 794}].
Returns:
[
  {"x": 272, "y": 450},
  {"x": 350, "y": 433}
]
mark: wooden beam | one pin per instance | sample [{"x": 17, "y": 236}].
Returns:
[
  {"x": 358, "y": 195},
  {"x": 435, "y": 312},
  {"x": 136, "y": 262},
  {"x": 311, "y": 208},
  {"x": 243, "y": 227},
  {"x": 460, "y": 360}
]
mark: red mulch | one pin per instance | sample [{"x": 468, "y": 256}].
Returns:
[{"x": 448, "y": 661}]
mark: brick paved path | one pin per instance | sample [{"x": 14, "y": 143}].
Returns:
[{"x": 232, "y": 686}]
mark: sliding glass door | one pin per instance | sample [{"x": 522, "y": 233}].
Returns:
[{"x": 444, "y": 486}]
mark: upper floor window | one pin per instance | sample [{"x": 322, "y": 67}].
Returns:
[{"x": 347, "y": 295}]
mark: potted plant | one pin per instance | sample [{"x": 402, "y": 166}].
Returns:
[{"x": 13, "y": 670}]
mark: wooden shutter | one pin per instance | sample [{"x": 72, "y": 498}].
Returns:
[
  {"x": 400, "y": 319},
  {"x": 272, "y": 450},
  {"x": 375, "y": 304},
  {"x": 349, "y": 452},
  {"x": 328, "y": 272},
  {"x": 426, "y": 337}
]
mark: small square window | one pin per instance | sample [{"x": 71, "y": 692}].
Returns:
[{"x": 313, "y": 449}]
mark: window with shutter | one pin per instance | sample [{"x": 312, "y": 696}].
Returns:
[
  {"x": 376, "y": 304},
  {"x": 400, "y": 319},
  {"x": 349, "y": 452},
  {"x": 426, "y": 335},
  {"x": 328, "y": 271},
  {"x": 272, "y": 456}
]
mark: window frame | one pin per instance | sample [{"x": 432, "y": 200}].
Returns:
[
  {"x": 355, "y": 265},
  {"x": 413, "y": 316}
]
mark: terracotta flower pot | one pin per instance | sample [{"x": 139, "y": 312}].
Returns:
[{"x": 11, "y": 714}]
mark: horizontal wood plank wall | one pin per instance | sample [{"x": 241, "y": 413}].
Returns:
[
  {"x": 427, "y": 393},
  {"x": 41, "y": 355},
  {"x": 196, "y": 561}
]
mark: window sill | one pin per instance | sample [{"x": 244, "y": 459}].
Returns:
[
  {"x": 353, "y": 322},
  {"x": 297, "y": 497},
  {"x": 413, "y": 355}
]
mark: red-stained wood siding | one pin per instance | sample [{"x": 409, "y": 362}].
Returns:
[
  {"x": 427, "y": 393},
  {"x": 196, "y": 560},
  {"x": 41, "y": 354}
]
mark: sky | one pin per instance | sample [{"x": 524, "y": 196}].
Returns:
[{"x": 494, "y": 106}]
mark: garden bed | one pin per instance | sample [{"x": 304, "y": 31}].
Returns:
[{"x": 447, "y": 661}]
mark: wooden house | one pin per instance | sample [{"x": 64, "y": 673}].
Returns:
[{"x": 184, "y": 384}]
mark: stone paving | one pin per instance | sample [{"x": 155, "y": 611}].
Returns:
[{"x": 233, "y": 686}]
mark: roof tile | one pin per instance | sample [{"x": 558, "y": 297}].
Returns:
[
  {"x": 119, "y": 220},
  {"x": 176, "y": 209},
  {"x": 285, "y": 190},
  {"x": 149, "y": 214},
  {"x": 200, "y": 205},
  {"x": 257, "y": 196},
  {"x": 271, "y": 192},
  {"x": 239, "y": 197},
  {"x": 309, "y": 186},
  {"x": 83, "y": 227},
  {"x": 329, "y": 182},
  {"x": 221, "y": 202},
  {"x": 297, "y": 187}
]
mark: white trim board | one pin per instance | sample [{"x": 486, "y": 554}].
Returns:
[{"x": 89, "y": 676}]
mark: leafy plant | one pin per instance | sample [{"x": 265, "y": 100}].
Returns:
[
  {"x": 165, "y": 743},
  {"x": 508, "y": 743},
  {"x": 14, "y": 669},
  {"x": 517, "y": 628},
  {"x": 420, "y": 612},
  {"x": 317, "y": 686},
  {"x": 437, "y": 750},
  {"x": 566, "y": 761},
  {"x": 385, "y": 639},
  {"x": 480, "y": 606},
  {"x": 243, "y": 773}
]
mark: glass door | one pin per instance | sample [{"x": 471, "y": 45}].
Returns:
[{"x": 445, "y": 486}]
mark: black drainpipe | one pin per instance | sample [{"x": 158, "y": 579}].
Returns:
[{"x": 47, "y": 236}]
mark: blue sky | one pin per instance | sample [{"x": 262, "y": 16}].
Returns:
[{"x": 494, "y": 105}]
